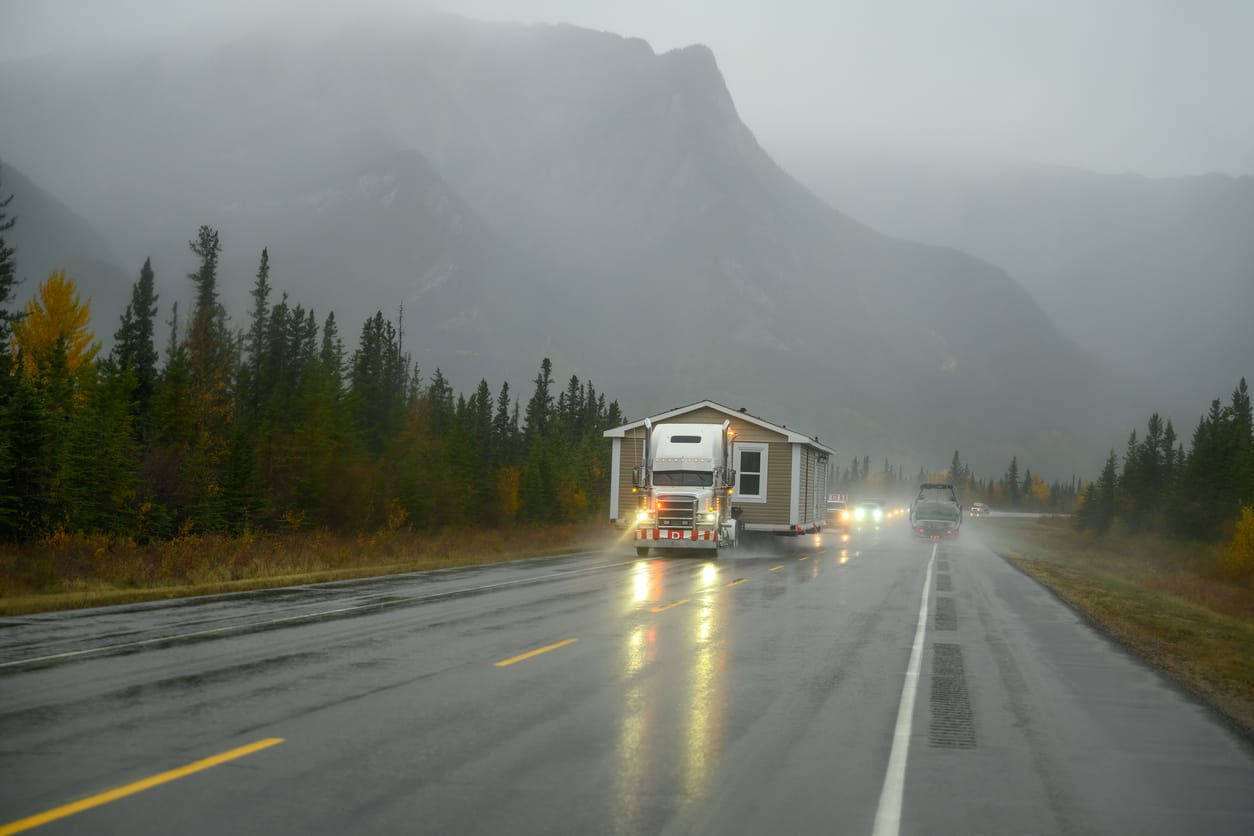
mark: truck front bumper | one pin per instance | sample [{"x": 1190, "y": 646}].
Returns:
[{"x": 677, "y": 538}]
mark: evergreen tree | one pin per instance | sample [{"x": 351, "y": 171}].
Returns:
[
  {"x": 9, "y": 499},
  {"x": 1240, "y": 475},
  {"x": 8, "y": 274},
  {"x": 378, "y": 383},
  {"x": 134, "y": 354},
  {"x": 256, "y": 343},
  {"x": 540, "y": 407},
  {"x": 956, "y": 470},
  {"x": 1105, "y": 495},
  {"x": 1012, "y": 482},
  {"x": 208, "y": 343}
]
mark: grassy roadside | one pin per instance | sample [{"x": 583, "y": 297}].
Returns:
[
  {"x": 1167, "y": 601},
  {"x": 69, "y": 572}
]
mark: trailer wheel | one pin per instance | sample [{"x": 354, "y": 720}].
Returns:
[{"x": 642, "y": 551}]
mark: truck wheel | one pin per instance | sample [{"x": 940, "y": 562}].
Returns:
[{"x": 642, "y": 551}]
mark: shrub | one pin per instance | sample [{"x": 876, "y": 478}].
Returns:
[{"x": 1239, "y": 560}]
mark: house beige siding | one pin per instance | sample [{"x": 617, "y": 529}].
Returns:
[
  {"x": 778, "y": 482},
  {"x": 632, "y": 447},
  {"x": 812, "y": 503},
  {"x": 805, "y": 485},
  {"x": 775, "y": 512}
]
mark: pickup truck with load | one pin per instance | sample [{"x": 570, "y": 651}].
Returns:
[{"x": 936, "y": 512}]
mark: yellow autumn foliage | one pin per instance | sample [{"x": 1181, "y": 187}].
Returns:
[
  {"x": 55, "y": 314},
  {"x": 1239, "y": 559}
]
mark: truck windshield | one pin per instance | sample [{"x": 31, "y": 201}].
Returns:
[{"x": 683, "y": 478}]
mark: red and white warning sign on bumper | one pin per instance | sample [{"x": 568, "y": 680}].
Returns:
[{"x": 673, "y": 534}]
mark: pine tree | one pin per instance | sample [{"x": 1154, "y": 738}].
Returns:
[
  {"x": 1240, "y": 476},
  {"x": 9, "y": 498},
  {"x": 8, "y": 274},
  {"x": 205, "y": 452},
  {"x": 1105, "y": 495},
  {"x": 540, "y": 407},
  {"x": 956, "y": 470},
  {"x": 1012, "y": 482},
  {"x": 134, "y": 354},
  {"x": 257, "y": 342}
]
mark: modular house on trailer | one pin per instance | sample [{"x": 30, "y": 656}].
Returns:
[{"x": 781, "y": 474}]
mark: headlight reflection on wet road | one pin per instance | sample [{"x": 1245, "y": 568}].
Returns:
[
  {"x": 683, "y": 647},
  {"x": 706, "y": 695}
]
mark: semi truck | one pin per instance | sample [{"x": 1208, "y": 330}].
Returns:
[{"x": 685, "y": 487}]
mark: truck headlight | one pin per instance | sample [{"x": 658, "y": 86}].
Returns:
[
  {"x": 711, "y": 518},
  {"x": 642, "y": 515}
]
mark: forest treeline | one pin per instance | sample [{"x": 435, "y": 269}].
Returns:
[
  {"x": 1016, "y": 489},
  {"x": 278, "y": 425},
  {"x": 1161, "y": 486}
]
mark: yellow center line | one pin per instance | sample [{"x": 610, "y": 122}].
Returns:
[
  {"x": 804, "y": 557},
  {"x": 505, "y": 663},
  {"x": 738, "y": 580},
  {"x": 31, "y": 822},
  {"x": 774, "y": 568},
  {"x": 670, "y": 606}
]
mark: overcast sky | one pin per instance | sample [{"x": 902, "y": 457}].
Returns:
[{"x": 1161, "y": 87}]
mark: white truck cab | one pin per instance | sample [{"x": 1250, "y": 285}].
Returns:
[{"x": 685, "y": 487}]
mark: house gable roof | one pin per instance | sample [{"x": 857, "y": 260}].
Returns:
[{"x": 792, "y": 435}]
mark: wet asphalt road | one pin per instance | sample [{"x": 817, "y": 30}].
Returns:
[{"x": 758, "y": 693}]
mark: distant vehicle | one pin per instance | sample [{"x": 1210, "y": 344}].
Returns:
[
  {"x": 978, "y": 509},
  {"x": 936, "y": 512},
  {"x": 838, "y": 513},
  {"x": 869, "y": 511}
]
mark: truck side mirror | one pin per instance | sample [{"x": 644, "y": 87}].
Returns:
[{"x": 635, "y": 477}]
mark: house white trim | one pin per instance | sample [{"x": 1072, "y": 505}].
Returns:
[
  {"x": 764, "y": 450},
  {"x": 616, "y": 467},
  {"x": 794, "y": 503}
]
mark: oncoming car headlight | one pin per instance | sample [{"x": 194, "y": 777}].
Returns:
[
  {"x": 879, "y": 515},
  {"x": 859, "y": 513}
]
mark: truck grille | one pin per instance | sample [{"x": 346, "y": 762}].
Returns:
[{"x": 676, "y": 511}]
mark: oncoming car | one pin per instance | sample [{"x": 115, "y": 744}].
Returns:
[
  {"x": 838, "y": 514},
  {"x": 869, "y": 511},
  {"x": 978, "y": 509}
]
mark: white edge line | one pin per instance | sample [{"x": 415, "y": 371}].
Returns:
[
  {"x": 234, "y": 628},
  {"x": 888, "y": 814}
]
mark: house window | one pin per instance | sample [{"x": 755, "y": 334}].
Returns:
[{"x": 750, "y": 472}]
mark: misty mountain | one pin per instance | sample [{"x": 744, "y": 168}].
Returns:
[
  {"x": 545, "y": 190},
  {"x": 1154, "y": 274},
  {"x": 48, "y": 236}
]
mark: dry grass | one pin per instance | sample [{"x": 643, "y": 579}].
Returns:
[
  {"x": 1170, "y": 602},
  {"x": 66, "y": 572}
]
